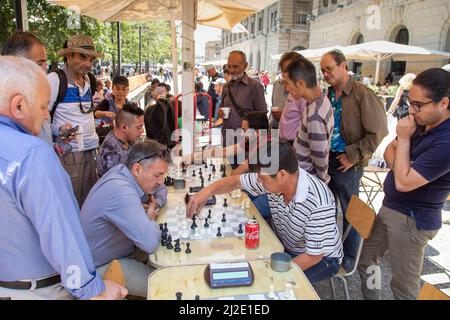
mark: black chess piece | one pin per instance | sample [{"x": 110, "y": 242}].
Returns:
[
  {"x": 209, "y": 213},
  {"x": 203, "y": 184},
  {"x": 225, "y": 204},
  {"x": 200, "y": 171},
  {"x": 197, "y": 297},
  {"x": 219, "y": 234},
  {"x": 194, "y": 225},
  {"x": 177, "y": 246},
  {"x": 213, "y": 168},
  {"x": 223, "y": 218},
  {"x": 169, "y": 242},
  {"x": 240, "y": 231},
  {"x": 161, "y": 226},
  {"x": 209, "y": 178},
  {"x": 193, "y": 173},
  {"x": 224, "y": 174},
  {"x": 188, "y": 249},
  {"x": 206, "y": 165},
  {"x": 165, "y": 227},
  {"x": 178, "y": 295},
  {"x": 206, "y": 225}
]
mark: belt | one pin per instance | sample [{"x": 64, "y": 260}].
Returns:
[{"x": 31, "y": 285}]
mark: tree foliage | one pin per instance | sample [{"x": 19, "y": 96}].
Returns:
[{"x": 50, "y": 23}]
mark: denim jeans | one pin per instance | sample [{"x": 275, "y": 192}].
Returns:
[
  {"x": 325, "y": 269},
  {"x": 344, "y": 185},
  {"x": 261, "y": 203}
]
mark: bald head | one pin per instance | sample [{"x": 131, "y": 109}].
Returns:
[{"x": 25, "y": 92}]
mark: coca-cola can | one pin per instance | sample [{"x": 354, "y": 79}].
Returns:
[{"x": 252, "y": 234}]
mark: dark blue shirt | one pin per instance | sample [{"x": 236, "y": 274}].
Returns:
[{"x": 430, "y": 156}]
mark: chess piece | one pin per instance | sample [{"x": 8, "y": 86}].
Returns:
[
  {"x": 161, "y": 227},
  {"x": 213, "y": 168},
  {"x": 203, "y": 184},
  {"x": 224, "y": 174},
  {"x": 240, "y": 231},
  {"x": 178, "y": 295},
  {"x": 225, "y": 204},
  {"x": 188, "y": 249},
  {"x": 271, "y": 294},
  {"x": 206, "y": 225},
  {"x": 209, "y": 213},
  {"x": 194, "y": 225},
  {"x": 200, "y": 172},
  {"x": 223, "y": 218},
  {"x": 177, "y": 246},
  {"x": 169, "y": 242},
  {"x": 165, "y": 227},
  {"x": 209, "y": 178},
  {"x": 197, "y": 297},
  {"x": 193, "y": 173},
  {"x": 219, "y": 234}
]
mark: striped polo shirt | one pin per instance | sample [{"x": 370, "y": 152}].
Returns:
[
  {"x": 307, "y": 224},
  {"x": 312, "y": 144}
]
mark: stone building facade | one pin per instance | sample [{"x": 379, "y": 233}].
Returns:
[
  {"x": 281, "y": 27},
  {"x": 424, "y": 23},
  {"x": 213, "y": 50}
]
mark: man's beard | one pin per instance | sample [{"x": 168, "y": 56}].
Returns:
[{"x": 237, "y": 77}]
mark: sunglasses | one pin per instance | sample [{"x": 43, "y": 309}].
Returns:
[{"x": 82, "y": 108}]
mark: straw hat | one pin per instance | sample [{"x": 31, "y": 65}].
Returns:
[{"x": 81, "y": 44}]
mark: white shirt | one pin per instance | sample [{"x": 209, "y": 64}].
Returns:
[{"x": 307, "y": 224}]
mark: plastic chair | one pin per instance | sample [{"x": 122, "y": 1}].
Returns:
[
  {"x": 361, "y": 217},
  {"x": 430, "y": 292}
]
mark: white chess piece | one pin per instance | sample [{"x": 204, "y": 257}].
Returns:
[
  {"x": 271, "y": 293},
  {"x": 288, "y": 292}
]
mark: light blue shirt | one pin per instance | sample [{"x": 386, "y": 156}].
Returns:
[
  {"x": 114, "y": 220},
  {"x": 40, "y": 231},
  {"x": 337, "y": 141}
]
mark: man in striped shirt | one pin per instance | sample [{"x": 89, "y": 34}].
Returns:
[
  {"x": 312, "y": 143},
  {"x": 302, "y": 208}
]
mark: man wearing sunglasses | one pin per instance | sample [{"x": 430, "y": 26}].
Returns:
[
  {"x": 76, "y": 108},
  {"x": 118, "y": 214}
]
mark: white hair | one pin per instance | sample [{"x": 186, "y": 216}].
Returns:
[
  {"x": 407, "y": 80},
  {"x": 19, "y": 76}
]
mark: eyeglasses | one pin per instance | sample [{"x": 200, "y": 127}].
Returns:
[
  {"x": 82, "y": 108},
  {"x": 328, "y": 69},
  {"x": 416, "y": 105}
]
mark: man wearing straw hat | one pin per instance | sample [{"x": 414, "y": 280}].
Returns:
[{"x": 71, "y": 102}]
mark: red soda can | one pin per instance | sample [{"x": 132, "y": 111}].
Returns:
[{"x": 251, "y": 234}]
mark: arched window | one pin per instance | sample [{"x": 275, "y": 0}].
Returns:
[{"x": 402, "y": 37}]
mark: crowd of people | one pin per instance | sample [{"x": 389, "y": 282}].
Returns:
[{"x": 70, "y": 213}]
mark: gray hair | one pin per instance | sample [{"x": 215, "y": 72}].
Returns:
[
  {"x": 241, "y": 53},
  {"x": 148, "y": 151},
  {"x": 19, "y": 76}
]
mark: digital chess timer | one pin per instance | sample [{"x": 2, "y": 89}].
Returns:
[{"x": 222, "y": 275}]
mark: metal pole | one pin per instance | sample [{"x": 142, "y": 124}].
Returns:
[
  {"x": 140, "y": 49},
  {"x": 174, "y": 56},
  {"x": 21, "y": 15},
  {"x": 113, "y": 56},
  {"x": 119, "y": 51}
]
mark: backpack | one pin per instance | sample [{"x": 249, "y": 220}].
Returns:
[{"x": 62, "y": 90}]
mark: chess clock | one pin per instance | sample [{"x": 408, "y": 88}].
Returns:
[{"x": 223, "y": 275}]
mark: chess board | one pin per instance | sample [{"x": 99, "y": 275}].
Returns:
[
  {"x": 180, "y": 227},
  {"x": 195, "y": 171}
]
